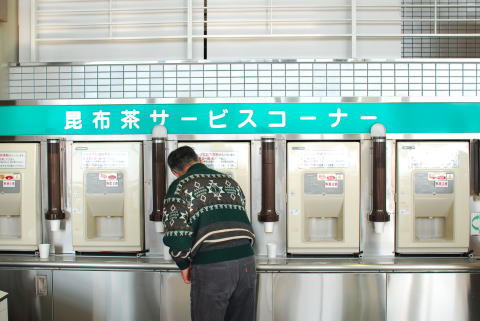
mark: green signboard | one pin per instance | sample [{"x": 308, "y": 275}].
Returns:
[{"x": 239, "y": 118}]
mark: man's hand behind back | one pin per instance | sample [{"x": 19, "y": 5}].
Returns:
[{"x": 186, "y": 275}]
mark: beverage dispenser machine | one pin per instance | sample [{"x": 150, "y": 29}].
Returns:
[
  {"x": 20, "y": 199},
  {"x": 323, "y": 190},
  {"x": 232, "y": 158},
  {"x": 107, "y": 211},
  {"x": 432, "y": 197}
]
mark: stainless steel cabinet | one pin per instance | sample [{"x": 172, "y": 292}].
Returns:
[
  {"x": 329, "y": 297},
  {"x": 29, "y": 294},
  {"x": 106, "y": 295},
  {"x": 175, "y": 298},
  {"x": 265, "y": 297},
  {"x": 433, "y": 296}
]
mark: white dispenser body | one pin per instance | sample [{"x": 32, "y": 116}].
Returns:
[
  {"x": 232, "y": 158},
  {"x": 323, "y": 190},
  {"x": 433, "y": 197},
  {"x": 107, "y": 189},
  {"x": 20, "y": 197}
]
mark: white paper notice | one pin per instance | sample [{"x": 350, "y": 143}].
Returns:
[
  {"x": 12, "y": 159},
  {"x": 433, "y": 158},
  {"x": 102, "y": 160},
  {"x": 219, "y": 160},
  {"x": 322, "y": 159}
]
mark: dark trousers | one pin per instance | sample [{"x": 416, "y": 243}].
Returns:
[{"x": 224, "y": 291}]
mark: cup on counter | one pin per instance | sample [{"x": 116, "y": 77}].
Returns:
[
  {"x": 44, "y": 250},
  {"x": 271, "y": 250}
]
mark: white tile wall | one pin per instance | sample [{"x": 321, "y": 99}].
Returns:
[{"x": 244, "y": 80}]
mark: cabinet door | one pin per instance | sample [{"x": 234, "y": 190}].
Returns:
[
  {"x": 106, "y": 295},
  {"x": 433, "y": 296},
  {"x": 329, "y": 296},
  {"x": 29, "y": 294}
]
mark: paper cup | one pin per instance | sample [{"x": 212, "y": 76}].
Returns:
[
  {"x": 378, "y": 227},
  {"x": 166, "y": 253},
  {"x": 159, "y": 227},
  {"x": 44, "y": 250},
  {"x": 268, "y": 227},
  {"x": 271, "y": 250},
  {"x": 55, "y": 225}
]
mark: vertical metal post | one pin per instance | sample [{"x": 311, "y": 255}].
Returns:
[
  {"x": 189, "y": 29},
  {"x": 354, "y": 27},
  {"x": 110, "y": 19},
  {"x": 33, "y": 31},
  {"x": 270, "y": 16},
  {"x": 205, "y": 28}
]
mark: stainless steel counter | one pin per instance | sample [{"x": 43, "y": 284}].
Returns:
[
  {"x": 338, "y": 265},
  {"x": 108, "y": 288}
]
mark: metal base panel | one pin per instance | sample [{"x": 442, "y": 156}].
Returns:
[
  {"x": 433, "y": 296},
  {"x": 29, "y": 294},
  {"x": 106, "y": 295},
  {"x": 329, "y": 297}
]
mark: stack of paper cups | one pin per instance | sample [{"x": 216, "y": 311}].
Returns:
[
  {"x": 378, "y": 227},
  {"x": 166, "y": 253},
  {"x": 268, "y": 227},
  {"x": 271, "y": 250},
  {"x": 54, "y": 225},
  {"x": 159, "y": 227}
]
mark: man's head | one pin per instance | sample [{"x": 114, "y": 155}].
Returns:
[{"x": 181, "y": 159}]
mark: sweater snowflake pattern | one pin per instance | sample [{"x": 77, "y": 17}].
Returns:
[{"x": 205, "y": 218}]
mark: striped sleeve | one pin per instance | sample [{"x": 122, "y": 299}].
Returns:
[{"x": 178, "y": 236}]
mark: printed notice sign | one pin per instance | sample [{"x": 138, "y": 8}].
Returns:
[
  {"x": 111, "y": 183},
  {"x": 12, "y": 159},
  {"x": 9, "y": 184},
  {"x": 323, "y": 159},
  {"x": 104, "y": 159},
  {"x": 433, "y": 158},
  {"x": 219, "y": 160}
]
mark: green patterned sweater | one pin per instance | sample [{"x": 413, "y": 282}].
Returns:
[{"x": 205, "y": 218}]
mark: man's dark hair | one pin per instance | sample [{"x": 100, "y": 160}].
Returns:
[{"x": 181, "y": 157}]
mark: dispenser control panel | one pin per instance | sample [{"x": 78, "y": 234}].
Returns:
[
  {"x": 107, "y": 197},
  {"x": 20, "y": 200},
  {"x": 433, "y": 193},
  {"x": 232, "y": 158},
  {"x": 323, "y": 197}
]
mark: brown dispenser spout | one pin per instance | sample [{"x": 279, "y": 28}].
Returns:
[
  {"x": 158, "y": 178},
  {"x": 268, "y": 212},
  {"x": 55, "y": 183},
  {"x": 379, "y": 211}
]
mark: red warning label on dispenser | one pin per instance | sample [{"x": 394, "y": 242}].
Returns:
[
  {"x": 107, "y": 176},
  {"x": 8, "y": 177},
  {"x": 436, "y": 176},
  {"x": 441, "y": 183},
  {"x": 111, "y": 183},
  {"x": 440, "y": 179},
  {"x": 9, "y": 183},
  {"x": 329, "y": 177},
  {"x": 331, "y": 184}
]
